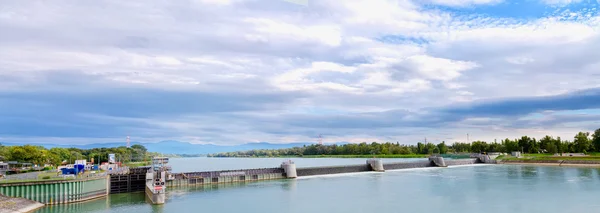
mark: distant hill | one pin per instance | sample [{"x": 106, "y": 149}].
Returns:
[{"x": 178, "y": 147}]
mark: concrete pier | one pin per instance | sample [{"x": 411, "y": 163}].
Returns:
[
  {"x": 376, "y": 165},
  {"x": 18, "y": 205},
  {"x": 437, "y": 161},
  {"x": 290, "y": 169}
]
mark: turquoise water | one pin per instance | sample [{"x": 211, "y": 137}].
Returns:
[{"x": 464, "y": 189}]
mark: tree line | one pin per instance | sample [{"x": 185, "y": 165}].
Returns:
[
  {"x": 56, "y": 156},
  {"x": 583, "y": 142}
]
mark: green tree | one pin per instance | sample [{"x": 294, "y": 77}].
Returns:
[
  {"x": 461, "y": 147},
  {"x": 479, "y": 146},
  {"x": 429, "y": 148},
  {"x": 442, "y": 147},
  {"x": 3, "y": 153},
  {"x": 552, "y": 148},
  {"x": 596, "y": 140},
  {"x": 510, "y": 145},
  {"x": 545, "y": 142},
  {"x": 421, "y": 148},
  {"x": 528, "y": 144},
  {"x": 582, "y": 142}
]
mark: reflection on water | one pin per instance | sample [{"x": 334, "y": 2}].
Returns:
[{"x": 495, "y": 189}]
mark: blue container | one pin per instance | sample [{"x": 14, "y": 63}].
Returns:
[{"x": 67, "y": 171}]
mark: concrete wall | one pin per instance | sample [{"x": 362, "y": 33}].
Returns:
[
  {"x": 123, "y": 183},
  {"x": 461, "y": 162},
  {"x": 57, "y": 192},
  {"x": 199, "y": 180},
  {"x": 308, "y": 171},
  {"x": 407, "y": 165}
]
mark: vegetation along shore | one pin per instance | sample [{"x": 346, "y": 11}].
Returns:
[{"x": 583, "y": 142}]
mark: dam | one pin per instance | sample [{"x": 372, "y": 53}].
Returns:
[
  {"x": 286, "y": 170},
  {"x": 135, "y": 180}
]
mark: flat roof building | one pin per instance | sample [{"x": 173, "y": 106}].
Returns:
[{"x": 3, "y": 168}]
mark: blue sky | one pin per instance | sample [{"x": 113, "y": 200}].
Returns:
[{"x": 238, "y": 71}]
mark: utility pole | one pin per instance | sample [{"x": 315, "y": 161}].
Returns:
[{"x": 468, "y": 138}]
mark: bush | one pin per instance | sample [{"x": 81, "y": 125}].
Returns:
[{"x": 46, "y": 177}]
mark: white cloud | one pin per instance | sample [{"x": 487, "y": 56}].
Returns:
[
  {"x": 299, "y": 79},
  {"x": 519, "y": 60},
  {"x": 462, "y": 3},
  {"x": 328, "y": 35},
  {"x": 438, "y": 68},
  {"x": 215, "y": 2},
  {"x": 560, "y": 2},
  {"x": 354, "y": 57}
]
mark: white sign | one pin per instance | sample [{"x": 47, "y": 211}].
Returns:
[{"x": 111, "y": 158}]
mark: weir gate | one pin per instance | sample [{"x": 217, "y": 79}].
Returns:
[{"x": 135, "y": 180}]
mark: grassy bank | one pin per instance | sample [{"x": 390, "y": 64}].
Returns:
[
  {"x": 548, "y": 159},
  {"x": 590, "y": 158},
  {"x": 335, "y": 156},
  {"x": 364, "y": 156},
  {"x": 137, "y": 164}
]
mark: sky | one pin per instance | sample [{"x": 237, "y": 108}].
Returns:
[{"x": 237, "y": 71}]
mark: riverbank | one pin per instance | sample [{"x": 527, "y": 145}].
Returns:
[
  {"x": 364, "y": 156},
  {"x": 330, "y": 156},
  {"x": 559, "y": 161}
]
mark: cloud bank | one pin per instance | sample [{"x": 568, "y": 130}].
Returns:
[{"x": 238, "y": 71}]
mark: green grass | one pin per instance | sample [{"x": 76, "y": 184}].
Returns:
[
  {"x": 538, "y": 155},
  {"x": 365, "y": 156},
  {"x": 137, "y": 164},
  {"x": 337, "y": 156},
  {"x": 41, "y": 177},
  {"x": 52, "y": 176},
  {"x": 597, "y": 158},
  {"x": 534, "y": 157}
]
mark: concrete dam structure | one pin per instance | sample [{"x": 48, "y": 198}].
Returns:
[
  {"x": 69, "y": 191},
  {"x": 133, "y": 182}
]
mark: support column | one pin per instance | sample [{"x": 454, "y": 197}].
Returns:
[
  {"x": 437, "y": 161},
  {"x": 376, "y": 165},
  {"x": 290, "y": 169}
]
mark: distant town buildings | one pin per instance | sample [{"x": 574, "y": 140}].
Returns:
[{"x": 3, "y": 168}]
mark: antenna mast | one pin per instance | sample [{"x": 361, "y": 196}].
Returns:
[
  {"x": 128, "y": 144},
  {"x": 320, "y": 139}
]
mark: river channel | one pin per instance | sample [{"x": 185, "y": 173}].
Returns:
[{"x": 462, "y": 189}]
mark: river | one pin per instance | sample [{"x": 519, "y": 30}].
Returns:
[{"x": 463, "y": 189}]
